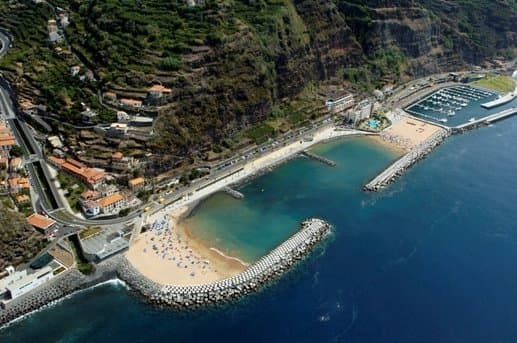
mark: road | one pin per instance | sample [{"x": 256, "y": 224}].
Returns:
[{"x": 6, "y": 43}]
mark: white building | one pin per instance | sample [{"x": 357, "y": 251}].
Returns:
[
  {"x": 20, "y": 283},
  {"x": 340, "y": 104}
]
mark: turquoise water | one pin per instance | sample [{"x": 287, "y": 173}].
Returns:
[
  {"x": 430, "y": 259},
  {"x": 251, "y": 227}
]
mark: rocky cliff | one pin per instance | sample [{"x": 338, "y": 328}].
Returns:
[{"x": 233, "y": 64}]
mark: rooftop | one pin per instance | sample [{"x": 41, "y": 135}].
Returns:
[
  {"x": 39, "y": 221},
  {"x": 110, "y": 199},
  {"x": 136, "y": 181}
]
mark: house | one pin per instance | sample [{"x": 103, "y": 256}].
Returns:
[
  {"x": 28, "y": 107},
  {"x": 91, "y": 208},
  {"x": 89, "y": 195},
  {"x": 157, "y": 91},
  {"x": 75, "y": 70},
  {"x": 136, "y": 184},
  {"x": 18, "y": 184},
  {"x": 55, "y": 142},
  {"x": 15, "y": 164},
  {"x": 88, "y": 116},
  {"x": 122, "y": 117},
  {"x": 22, "y": 199},
  {"x": 131, "y": 103},
  {"x": 117, "y": 130},
  {"x": 120, "y": 162},
  {"x": 6, "y": 139},
  {"x": 92, "y": 177},
  {"x": 89, "y": 75},
  {"x": 41, "y": 223},
  {"x": 112, "y": 203},
  {"x": 339, "y": 104},
  {"x": 110, "y": 96}
]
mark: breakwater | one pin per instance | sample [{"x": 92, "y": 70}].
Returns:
[
  {"x": 474, "y": 124},
  {"x": 234, "y": 193},
  {"x": 396, "y": 169},
  {"x": 268, "y": 268},
  {"x": 318, "y": 158}
]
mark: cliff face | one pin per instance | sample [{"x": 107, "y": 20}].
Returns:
[{"x": 230, "y": 63}]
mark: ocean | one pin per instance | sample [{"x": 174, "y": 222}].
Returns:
[{"x": 429, "y": 259}]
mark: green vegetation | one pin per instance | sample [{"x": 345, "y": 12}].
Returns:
[
  {"x": 260, "y": 133},
  {"x": 73, "y": 189},
  {"x": 86, "y": 268},
  {"x": 59, "y": 270},
  {"x": 19, "y": 242},
  {"x": 88, "y": 232},
  {"x": 502, "y": 84}
]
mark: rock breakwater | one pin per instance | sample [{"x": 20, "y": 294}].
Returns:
[
  {"x": 396, "y": 169},
  {"x": 268, "y": 268}
]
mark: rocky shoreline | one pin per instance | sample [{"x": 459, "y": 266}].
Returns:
[
  {"x": 268, "y": 268},
  {"x": 59, "y": 287}
]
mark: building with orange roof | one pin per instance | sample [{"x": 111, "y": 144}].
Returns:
[
  {"x": 131, "y": 103},
  {"x": 136, "y": 184},
  {"x": 112, "y": 203},
  {"x": 92, "y": 177},
  {"x": 6, "y": 142},
  {"x": 41, "y": 223},
  {"x": 22, "y": 199},
  {"x": 110, "y": 96},
  {"x": 18, "y": 184},
  {"x": 157, "y": 91}
]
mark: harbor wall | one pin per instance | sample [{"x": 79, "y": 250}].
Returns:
[
  {"x": 268, "y": 268},
  {"x": 396, "y": 169}
]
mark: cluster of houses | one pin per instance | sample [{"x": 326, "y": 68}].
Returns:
[
  {"x": 100, "y": 197},
  {"x": 56, "y": 26},
  {"x": 13, "y": 180},
  {"x": 156, "y": 94}
]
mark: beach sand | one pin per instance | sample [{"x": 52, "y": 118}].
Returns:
[
  {"x": 409, "y": 132},
  {"x": 169, "y": 254}
]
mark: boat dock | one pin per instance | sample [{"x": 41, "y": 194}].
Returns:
[
  {"x": 501, "y": 101},
  {"x": 405, "y": 162},
  {"x": 485, "y": 120},
  {"x": 234, "y": 193},
  {"x": 318, "y": 158}
]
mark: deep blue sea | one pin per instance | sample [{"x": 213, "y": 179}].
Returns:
[{"x": 430, "y": 259}]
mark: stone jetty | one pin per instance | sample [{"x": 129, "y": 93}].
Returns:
[
  {"x": 268, "y": 268},
  {"x": 234, "y": 193},
  {"x": 474, "y": 124},
  {"x": 318, "y": 158},
  {"x": 405, "y": 162}
]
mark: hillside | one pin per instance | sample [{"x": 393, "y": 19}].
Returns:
[
  {"x": 19, "y": 242},
  {"x": 235, "y": 65}
]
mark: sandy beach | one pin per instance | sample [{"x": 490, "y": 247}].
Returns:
[
  {"x": 168, "y": 254},
  {"x": 409, "y": 132}
]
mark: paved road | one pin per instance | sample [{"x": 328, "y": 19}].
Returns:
[{"x": 5, "y": 41}]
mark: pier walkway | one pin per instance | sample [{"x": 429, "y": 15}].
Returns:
[
  {"x": 485, "y": 120},
  {"x": 318, "y": 158},
  {"x": 234, "y": 193},
  {"x": 501, "y": 101}
]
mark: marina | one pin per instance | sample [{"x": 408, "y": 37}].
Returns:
[{"x": 452, "y": 105}]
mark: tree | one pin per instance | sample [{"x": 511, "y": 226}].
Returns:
[{"x": 17, "y": 151}]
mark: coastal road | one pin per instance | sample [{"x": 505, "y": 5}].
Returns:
[{"x": 6, "y": 43}]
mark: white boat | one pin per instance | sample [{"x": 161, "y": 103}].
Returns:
[
  {"x": 472, "y": 119},
  {"x": 443, "y": 120}
]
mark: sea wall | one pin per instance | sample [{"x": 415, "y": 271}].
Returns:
[
  {"x": 57, "y": 288},
  {"x": 396, "y": 169},
  {"x": 268, "y": 268}
]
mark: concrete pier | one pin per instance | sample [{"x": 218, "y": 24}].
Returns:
[
  {"x": 484, "y": 121},
  {"x": 234, "y": 193},
  {"x": 405, "y": 162},
  {"x": 318, "y": 158},
  {"x": 268, "y": 268}
]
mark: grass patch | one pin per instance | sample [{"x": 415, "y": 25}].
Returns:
[
  {"x": 260, "y": 133},
  {"x": 89, "y": 232},
  {"x": 502, "y": 84}
]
